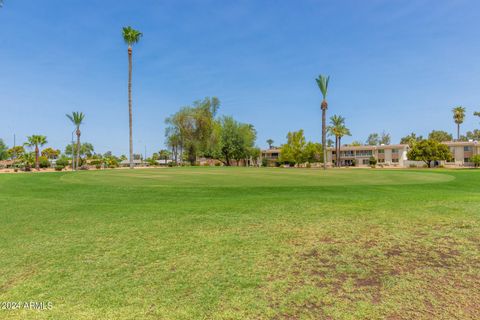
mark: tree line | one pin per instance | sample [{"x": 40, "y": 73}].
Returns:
[{"x": 197, "y": 131}]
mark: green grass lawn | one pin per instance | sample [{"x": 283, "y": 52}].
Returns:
[{"x": 242, "y": 243}]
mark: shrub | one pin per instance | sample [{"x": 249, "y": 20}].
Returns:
[
  {"x": 43, "y": 162},
  {"x": 63, "y": 161},
  {"x": 96, "y": 162},
  {"x": 171, "y": 164},
  {"x": 264, "y": 162},
  {"x": 309, "y": 165},
  {"x": 59, "y": 168},
  {"x": 111, "y": 162},
  {"x": 372, "y": 161},
  {"x": 218, "y": 164},
  {"x": 84, "y": 167},
  {"x": 98, "y": 166},
  {"x": 476, "y": 160}
]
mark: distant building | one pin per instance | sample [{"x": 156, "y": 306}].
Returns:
[
  {"x": 395, "y": 155},
  {"x": 462, "y": 152},
  {"x": 271, "y": 156}
]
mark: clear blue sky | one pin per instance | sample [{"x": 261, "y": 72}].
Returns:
[{"x": 398, "y": 66}]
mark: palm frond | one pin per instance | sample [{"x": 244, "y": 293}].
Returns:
[
  {"x": 131, "y": 36},
  {"x": 76, "y": 118},
  {"x": 322, "y": 82}
]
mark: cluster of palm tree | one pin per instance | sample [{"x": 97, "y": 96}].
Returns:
[
  {"x": 338, "y": 129},
  {"x": 337, "y": 126}
]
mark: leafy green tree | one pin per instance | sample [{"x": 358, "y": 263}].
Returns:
[
  {"x": 164, "y": 154},
  {"x": 36, "y": 141},
  {"x": 458, "y": 117},
  {"x": 473, "y": 135},
  {"x": 236, "y": 141},
  {"x": 411, "y": 139},
  {"x": 373, "y": 139},
  {"x": 50, "y": 153},
  {"x": 440, "y": 136},
  {"x": 194, "y": 129},
  {"x": 294, "y": 150},
  {"x": 312, "y": 152},
  {"x": 476, "y": 114},
  {"x": 476, "y": 160},
  {"x": 77, "y": 119},
  {"x": 270, "y": 143},
  {"x": 356, "y": 143},
  {"x": 3, "y": 150},
  {"x": 330, "y": 143},
  {"x": 385, "y": 138},
  {"x": 255, "y": 154},
  {"x": 63, "y": 161},
  {"x": 131, "y": 37},
  {"x": 322, "y": 82},
  {"x": 428, "y": 151},
  {"x": 16, "y": 152}
]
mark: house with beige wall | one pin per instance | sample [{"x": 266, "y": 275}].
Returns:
[
  {"x": 394, "y": 155},
  {"x": 462, "y": 152},
  {"x": 358, "y": 156}
]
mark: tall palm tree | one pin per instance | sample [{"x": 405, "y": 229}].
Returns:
[
  {"x": 322, "y": 82},
  {"x": 77, "y": 120},
  {"x": 270, "y": 143},
  {"x": 36, "y": 141},
  {"x": 130, "y": 36},
  {"x": 458, "y": 117}
]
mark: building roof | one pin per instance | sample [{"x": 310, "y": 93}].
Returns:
[
  {"x": 273, "y": 150},
  {"x": 461, "y": 143},
  {"x": 387, "y": 146}
]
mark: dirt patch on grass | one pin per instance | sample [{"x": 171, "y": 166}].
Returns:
[
  {"x": 16, "y": 279},
  {"x": 434, "y": 275}
]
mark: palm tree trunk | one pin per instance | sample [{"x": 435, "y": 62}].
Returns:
[
  {"x": 78, "y": 147},
  {"x": 338, "y": 151},
  {"x": 130, "y": 104},
  {"x": 324, "y": 137},
  {"x": 37, "y": 165},
  {"x": 458, "y": 132}
]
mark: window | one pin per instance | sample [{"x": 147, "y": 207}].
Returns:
[
  {"x": 395, "y": 160},
  {"x": 347, "y": 153},
  {"x": 394, "y": 150},
  {"x": 466, "y": 160},
  {"x": 381, "y": 151},
  {"x": 381, "y": 160},
  {"x": 467, "y": 148},
  {"x": 366, "y": 161},
  {"x": 364, "y": 153}
]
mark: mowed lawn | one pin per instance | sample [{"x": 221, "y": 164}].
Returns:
[{"x": 242, "y": 243}]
